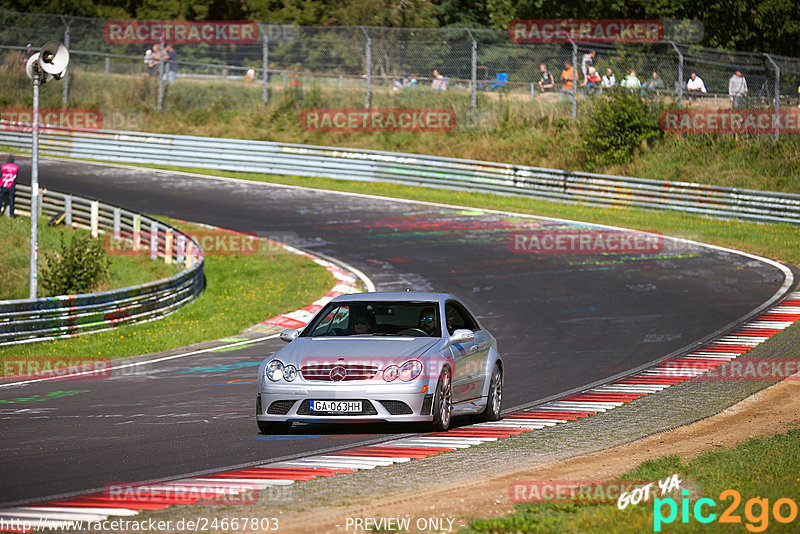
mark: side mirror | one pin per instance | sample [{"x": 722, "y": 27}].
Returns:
[
  {"x": 289, "y": 335},
  {"x": 461, "y": 336}
]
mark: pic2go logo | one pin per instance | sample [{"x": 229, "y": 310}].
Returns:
[{"x": 756, "y": 511}]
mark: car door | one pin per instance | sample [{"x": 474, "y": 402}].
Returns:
[{"x": 470, "y": 357}]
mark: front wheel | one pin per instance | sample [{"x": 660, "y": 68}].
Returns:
[
  {"x": 271, "y": 427},
  {"x": 442, "y": 404},
  {"x": 495, "y": 399}
]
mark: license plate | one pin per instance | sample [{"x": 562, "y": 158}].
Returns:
[{"x": 336, "y": 406}]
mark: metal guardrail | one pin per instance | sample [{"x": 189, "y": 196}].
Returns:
[
  {"x": 411, "y": 169},
  {"x": 30, "y": 320}
]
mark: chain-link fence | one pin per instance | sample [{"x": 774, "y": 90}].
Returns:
[{"x": 479, "y": 74}]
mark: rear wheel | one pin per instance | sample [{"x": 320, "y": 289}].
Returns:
[
  {"x": 442, "y": 405},
  {"x": 272, "y": 427},
  {"x": 495, "y": 399}
]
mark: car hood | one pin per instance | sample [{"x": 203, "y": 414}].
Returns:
[{"x": 390, "y": 350}]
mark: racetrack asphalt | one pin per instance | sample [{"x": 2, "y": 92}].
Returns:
[{"x": 561, "y": 321}]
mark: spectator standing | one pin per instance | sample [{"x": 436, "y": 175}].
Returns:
[
  {"x": 172, "y": 63},
  {"x": 695, "y": 84},
  {"x": 8, "y": 184},
  {"x": 609, "y": 80},
  {"x": 592, "y": 82},
  {"x": 153, "y": 62},
  {"x": 587, "y": 61},
  {"x": 566, "y": 78},
  {"x": 547, "y": 81},
  {"x": 737, "y": 89}
]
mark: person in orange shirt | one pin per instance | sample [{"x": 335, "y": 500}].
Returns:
[{"x": 567, "y": 78}]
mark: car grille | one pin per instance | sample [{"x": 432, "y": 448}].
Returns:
[
  {"x": 397, "y": 407},
  {"x": 323, "y": 371},
  {"x": 280, "y": 407},
  {"x": 366, "y": 409}
]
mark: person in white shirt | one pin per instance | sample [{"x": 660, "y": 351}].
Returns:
[
  {"x": 609, "y": 80},
  {"x": 696, "y": 84}
]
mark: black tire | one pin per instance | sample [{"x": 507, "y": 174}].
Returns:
[
  {"x": 442, "y": 404},
  {"x": 270, "y": 427},
  {"x": 495, "y": 399}
]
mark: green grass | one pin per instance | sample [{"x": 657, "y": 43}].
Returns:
[
  {"x": 757, "y": 468},
  {"x": 14, "y": 261},
  {"x": 241, "y": 290}
]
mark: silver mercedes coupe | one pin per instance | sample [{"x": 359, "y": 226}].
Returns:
[{"x": 371, "y": 357}]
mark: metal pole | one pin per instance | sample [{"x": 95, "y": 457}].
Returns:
[
  {"x": 680, "y": 73},
  {"x": 265, "y": 60},
  {"x": 474, "y": 85},
  {"x": 368, "y": 95},
  {"x": 65, "y": 77},
  {"x": 777, "y": 97},
  {"x": 34, "y": 250},
  {"x": 160, "y": 103},
  {"x": 574, "y": 79}
]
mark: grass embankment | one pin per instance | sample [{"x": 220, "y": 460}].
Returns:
[
  {"x": 241, "y": 290},
  {"x": 509, "y": 129},
  {"x": 15, "y": 259},
  {"x": 762, "y": 469}
]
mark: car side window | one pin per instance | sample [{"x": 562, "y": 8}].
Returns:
[{"x": 458, "y": 318}]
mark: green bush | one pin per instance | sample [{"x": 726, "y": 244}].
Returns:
[
  {"x": 79, "y": 266},
  {"x": 617, "y": 125}
]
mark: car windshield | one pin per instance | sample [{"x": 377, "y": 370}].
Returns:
[{"x": 414, "y": 319}]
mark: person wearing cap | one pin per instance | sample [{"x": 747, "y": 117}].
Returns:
[{"x": 8, "y": 184}]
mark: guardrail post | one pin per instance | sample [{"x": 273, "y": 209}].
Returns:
[
  {"x": 65, "y": 78},
  {"x": 777, "y": 97},
  {"x": 265, "y": 63},
  {"x": 94, "y": 218},
  {"x": 137, "y": 231},
  {"x": 179, "y": 258},
  {"x": 116, "y": 229},
  {"x": 168, "y": 247},
  {"x": 368, "y": 70},
  {"x": 474, "y": 79},
  {"x": 153, "y": 240},
  {"x": 68, "y": 211},
  {"x": 680, "y": 73}
]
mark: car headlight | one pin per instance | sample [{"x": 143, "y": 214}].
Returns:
[
  {"x": 391, "y": 373},
  {"x": 410, "y": 370},
  {"x": 289, "y": 373},
  {"x": 274, "y": 370}
]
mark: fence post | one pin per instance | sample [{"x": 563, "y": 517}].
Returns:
[
  {"x": 107, "y": 66},
  {"x": 777, "y": 96},
  {"x": 574, "y": 79},
  {"x": 368, "y": 95},
  {"x": 94, "y": 218},
  {"x": 265, "y": 61},
  {"x": 116, "y": 229},
  {"x": 68, "y": 211},
  {"x": 474, "y": 79},
  {"x": 168, "y": 247},
  {"x": 65, "y": 78},
  {"x": 680, "y": 73},
  {"x": 160, "y": 102},
  {"x": 181, "y": 249},
  {"x": 153, "y": 240},
  {"x": 137, "y": 230}
]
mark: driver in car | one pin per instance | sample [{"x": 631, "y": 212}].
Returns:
[
  {"x": 363, "y": 321},
  {"x": 427, "y": 318}
]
